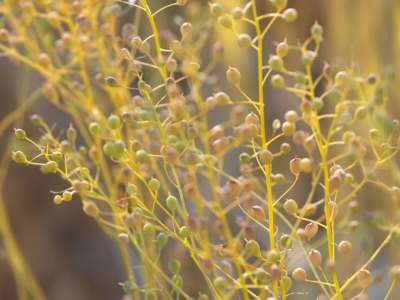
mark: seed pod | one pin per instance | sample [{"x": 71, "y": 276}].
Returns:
[
  {"x": 360, "y": 113},
  {"x": 288, "y": 128},
  {"x": 274, "y": 271},
  {"x": 90, "y": 208},
  {"x": 249, "y": 233},
  {"x": 279, "y": 4},
  {"x": 19, "y": 157},
  {"x": 172, "y": 203},
  {"x": 394, "y": 273},
  {"x": 149, "y": 230},
  {"x": 233, "y": 187},
  {"x": 221, "y": 283},
  {"x": 4, "y": 35},
  {"x": 51, "y": 166},
  {"x": 335, "y": 182},
  {"x": 237, "y": 13},
  {"x": 291, "y": 116},
  {"x": 94, "y": 128},
  {"x": 282, "y": 49},
  {"x": 244, "y": 40},
  {"x": 265, "y": 157},
  {"x": 186, "y": 29},
  {"x": 174, "y": 266},
  {"x": 311, "y": 230},
  {"x": 112, "y": 82},
  {"x": 253, "y": 248},
  {"x": 141, "y": 156},
  {"x": 299, "y": 137},
  {"x": 301, "y": 233},
  {"x": 233, "y": 76},
  {"x": 67, "y": 196},
  {"x": 181, "y": 2},
  {"x": 162, "y": 240},
  {"x": 58, "y": 200},
  {"x": 154, "y": 184},
  {"x": 333, "y": 210},
  {"x": 341, "y": 78},
  {"x": 273, "y": 256},
  {"x": 295, "y": 166},
  {"x": 285, "y": 148},
  {"x": 275, "y": 63},
  {"x": 113, "y": 122},
  {"x": 315, "y": 258},
  {"x": 344, "y": 247},
  {"x": 258, "y": 213},
  {"x": 222, "y": 99},
  {"x": 45, "y": 61},
  {"x": 217, "y": 10},
  {"x": 288, "y": 283},
  {"x": 309, "y": 144},
  {"x": 225, "y": 21},
  {"x": 299, "y": 275},
  {"x": 286, "y": 241},
  {"x": 364, "y": 277},
  {"x": 225, "y": 251},
  {"x": 185, "y": 232},
  {"x": 278, "y": 81},
  {"x": 290, "y": 207},
  {"x": 280, "y": 179},
  {"x": 123, "y": 238},
  {"x": 290, "y": 15},
  {"x": 317, "y": 31},
  {"x": 129, "y": 287}
]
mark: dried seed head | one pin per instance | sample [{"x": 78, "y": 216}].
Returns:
[
  {"x": 233, "y": 76},
  {"x": 233, "y": 187},
  {"x": 344, "y": 247},
  {"x": 258, "y": 213},
  {"x": 299, "y": 274},
  {"x": 290, "y": 206},
  {"x": 295, "y": 166},
  {"x": 364, "y": 277},
  {"x": 311, "y": 230},
  {"x": 315, "y": 258},
  {"x": 288, "y": 128},
  {"x": 90, "y": 208}
]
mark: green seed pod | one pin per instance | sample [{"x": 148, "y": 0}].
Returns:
[
  {"x": 128, "y": 118},
  {"x": 149, "y": 230},
  {"x": 129, "y": 287},
  {"x": 221, "y": 283},
  {"x": 109, "y": 149},
  {"x": 341, "y": 78},
  {"x": 286, "y": 241},
  {"x": 67, "y": 196},
  {"x": 65, "y": 146},
  {"x": 172, "y": 203},
  {"x": 119, "y": 148},
  {"x": 278, "y": 81},
  {"x": 265, "y": 157},
  {"x": 71, "y": 134},
  {"x": 244, "y": 40},
  {"x": 94, "y": 128},
  {"x": 185, "y": 232},
  {"x": 82, "y": 151},
  {"x": 396, "y": 236},
  {"x": 273, "y": 256},
  {"x": 217, "y": 10},
  {"x": 244, "y": 158},
  {"x": 280, "y": 179},
  {"x": 51, "y": 166},
  {"x": 225, "y": 21},
  {"x": 279, "y": 4},
  {"x": 203, "y": 297},
  {"x": 84, "y": 172},
  {"x": 19, "y": 133},
  {"x": 282, "y": 49},
  {"x": 154, "y": 185},
  {"x": 131, "y": 189},
  {"x": 141, "y": 156},
  {"x": 144, "y": 115},
  {"x": 307, "y": 59},
  {"x": 151, "y": 296},
  {"x": 174, "y": 266},
  {"x": 317, "y": 32},
  {"x": 317, "y": 104},
  {"x": 288, "y": 283},
  {"x": 290, "y": 15},
  {"x": 328, "y": 72},
  {"x": 58, "y": 199},
  {"x": 360, "y": 113},
  {"x": 253, "y": 248},
  {"x": 290, "y": 207},
  {"x": 162, "y": 240},
  {"x": 237, "y": 13},
  {"x": 300, "y": 78},
  {"x": 276, "y": 63},
  {"x": 57, "y": 156},
  {"x": 177, "y": 280},
  {"x": 136, "y": 145},
  {"x": 222, "y": 99},
  {"x": 175, "y": 46},
  {"x": 113, "y": 122},
  {"x": 90, "y": 208},
  {"x": 37, "y": 120},
  {"x": 233, "y": 76},
  {"x": 285, "y": 148}
]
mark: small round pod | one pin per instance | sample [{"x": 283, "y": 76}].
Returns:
[
  {"x": 299, "y": 275},
  {"x": 258, "y": 213},
  {"x": 315, "y": 258},
  {"x": 295, "y": 167},
  {"x": 253, "y": 248},
  {"x": 234, "y": 188},
  {"x": 123, "y": 238},
  {"x": 282, "y": 49},
  {"x": 222, "y": 99},
  {"x": 233, "y": 76},
  {"x": 364, "y": 277},
  {"x": 290, "y": 206},
  {"x": 290, "y": 15},
  {"x": 244, "y": 40},
  {"x": 288, "y": 128},
  {"x": 58, "y": 199},
  {"x": 90, "y": 208},
  {"x": 344, "y": 247},
  {"x": 226, "y": 266},
  {"x": 278, "y": 81},
  {"x": 286, "y": 241},
  {"x": 265, "y": 157},
  {"x": 311, "y": 230},
  {"x": 185, "y": 232}
]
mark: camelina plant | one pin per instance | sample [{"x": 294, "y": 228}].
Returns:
[{"x": 152, "y": 171}]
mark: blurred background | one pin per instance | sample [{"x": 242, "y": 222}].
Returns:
[{"x": 69, "y": 254}]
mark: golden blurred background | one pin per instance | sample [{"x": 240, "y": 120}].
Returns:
[{"x": 70, "y": 256}]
